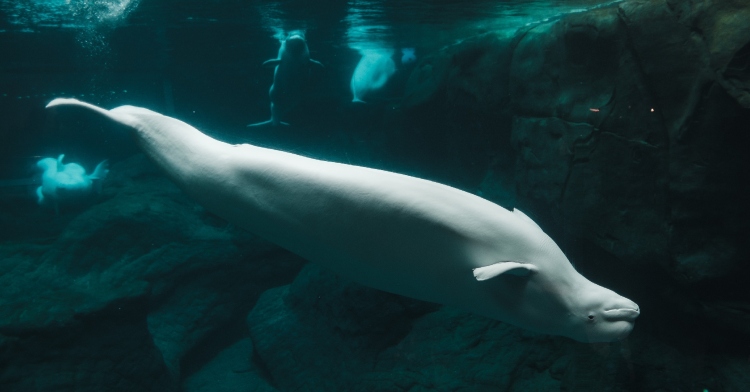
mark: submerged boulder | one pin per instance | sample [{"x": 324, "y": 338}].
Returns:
[
  {"x": 323, "y": 332},
  {"x": 622, "y": 124},
  {"x": 128, "y": 290},
  {"x": 627, "y": 124}
]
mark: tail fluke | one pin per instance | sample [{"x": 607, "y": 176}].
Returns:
[
  {"x": 125, "y": 115},
  {"x": 101, "y": 171}
]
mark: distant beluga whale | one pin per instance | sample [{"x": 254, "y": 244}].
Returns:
[
  {"x": 389, "y": 231},
  {"x": 66, "y": 183},
  {"x": 290, "y": 77},
  {"x": 372, "y": 72}
]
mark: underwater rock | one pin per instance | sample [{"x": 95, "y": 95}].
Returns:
[
  {"x": 626, "y": 125},
  {"x": 650, "y": 166},
  {"x": 588, "y": 144},
  {"x": 128, "y": 290},
  {"x": 723, "y": 29},
  {"x": 622, "y": 124},
  {"x": 230, "y": 371},
  {"x": 323, "y": 332},
  {"x": 471, "y": 73},
  {"x": 321, "y": 319},
  {"x": 454, "y": 116}
]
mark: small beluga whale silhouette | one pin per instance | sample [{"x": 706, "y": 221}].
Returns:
[
  {"x": 66, "y": 183},
  {"x": 291, "y": 76},
  {"x": 393, "y": 232}
]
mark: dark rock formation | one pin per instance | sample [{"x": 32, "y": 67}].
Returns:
[
  {"x": 129, "y": 291},
  {"x": 324, "y": 333},
  {"x": 636, "y": 143},
  {"x": 453, "y": 104},
  {"x": 230, "y": 371},
  {"x": 627, "y": 125}
]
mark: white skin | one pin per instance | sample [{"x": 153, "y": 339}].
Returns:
[
  {"x": 385, "y": 230},
  {"x": 69, "y": 181},
  {"x": 372, "y": 72}
]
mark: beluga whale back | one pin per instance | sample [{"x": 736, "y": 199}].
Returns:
[{"x": 389, "y": 231}]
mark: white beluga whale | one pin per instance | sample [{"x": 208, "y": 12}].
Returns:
[
  {"x": 65, "y": 183},
  {"x": 372, "y": 72},
  {"x": 291, "y": 76},
  {"x": 389, "y": 231}
]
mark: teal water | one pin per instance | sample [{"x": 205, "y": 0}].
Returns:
[{"x": 619, "y": 127}]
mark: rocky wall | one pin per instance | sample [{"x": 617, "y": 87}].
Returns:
[
  {"x": 627, "y": 125},
  {"x": 129, "y": 292}
]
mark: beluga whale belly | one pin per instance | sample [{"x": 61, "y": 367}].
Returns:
[
  {"x": 290, "y": 77},
  {"x": 390, "y": 231}
]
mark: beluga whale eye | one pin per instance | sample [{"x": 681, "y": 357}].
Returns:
[{"x": 591, "y": 317}]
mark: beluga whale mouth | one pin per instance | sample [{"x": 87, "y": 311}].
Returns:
[{"x": 624, "y": 314}]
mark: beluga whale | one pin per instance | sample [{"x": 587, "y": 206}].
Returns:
[
  {"x": 390, "y": 231},
  {"x": 373, "y": 71},
  {"x": 291, "y": 76},
  {"x": 67, "y": 183}
]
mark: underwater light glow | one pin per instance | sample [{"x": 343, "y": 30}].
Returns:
[
  {"x": 29, "y": 15},
  {"x": 275, "y": 20}
]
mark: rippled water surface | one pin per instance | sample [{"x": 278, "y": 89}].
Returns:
[{"x": 358, "y": 22}]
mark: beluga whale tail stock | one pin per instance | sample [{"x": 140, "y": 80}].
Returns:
[
  {"x": 393, "y": 232},
  {"x": 291, "y": 77}
]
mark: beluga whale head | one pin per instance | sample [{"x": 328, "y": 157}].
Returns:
[
  {"x": 295, "y": 43},
  {"x": 543, "y": 292},
  {"x": 603, "y": 316}
]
